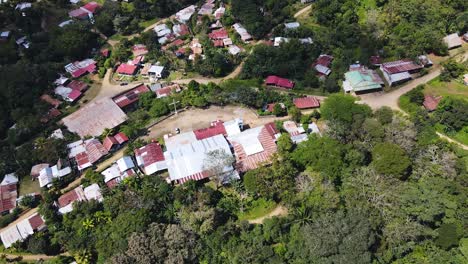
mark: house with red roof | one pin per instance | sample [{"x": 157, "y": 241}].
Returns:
[
  {"x": 270, "y": 107},
  {"x": 218, "y": 34},
  {"x": 121, "y": 169},
  {"x": 254, "y": 147},
  {"x": 65, "y": 202},
  {"x": 78, "y": 85},
  {"x": 127, "y": 69},
  {"x": 139, "y": 50},
  {"x": 52, "y": 101},
  {"x": 111, "y": 143},
  {"x": 130, "y": 97},
  {"x": 431, "y": 102},
  {"x": 274, "y": 80},
  {"x": 216, "y": 128},
  {"x": 86, "y": 153},
  {"x": 8, "y": 193},
  {"x": 150, "y": 158},
  {"x": 167, "y": 90},
  {"x": 399, "y": 71},
  {"x": 80, "y": 68},
  {"x": 306, "y": 102},
  {"x": 322, "y": 65},
  {"x": 84, "y": 11}
]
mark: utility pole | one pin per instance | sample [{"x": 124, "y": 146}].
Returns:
[{"x": 174, "y": 102}]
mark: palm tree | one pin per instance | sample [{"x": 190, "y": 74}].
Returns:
[{"x": 88, "y": 223}]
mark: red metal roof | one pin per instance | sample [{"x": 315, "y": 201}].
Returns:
[
  {"x": 78, "y": 13},
  {"x": 127, "y": 69},
  {"x": 36, "y": 222},
  {"x": 78, "y": 73},
  {"x": 271, "y": 130},
  {"x": 431, "y": 102},
  {"x": 78, "y": 85},
  {"x": 306, "y": 102},
  {"x": 218, "y": 43},
  {"x": 121, "y": 138},
  {"x": 53, "y": 113},
  {"x": 216, "y": 129},
  {"x": 92, "y": 6},
  {"x": 218, "y": 34},
  {"x": 131, "y": 96},
  {"x": 8, "y": 195},
  {"x": 278, "y": 81},
  {"x": 400, "y": 66},
  {"x": 154, "y": 153},
  {"x": 75, "y": 94},
  {"x": 109, "y": 142},
  {"x": 139, "y": 49},
  {"x": 95, "y": 150},
  {"x": 270, "y": 107},
  {"x": 68, "y": 198},
  {"x": 81, "y": 159},
  {"x": 324, "y": 60},
  {"x": 105, "y": 52},
  {"x": 183, "y": 30}
]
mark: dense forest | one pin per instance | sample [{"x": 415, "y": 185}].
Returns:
[{"x": 377, "y": 187}]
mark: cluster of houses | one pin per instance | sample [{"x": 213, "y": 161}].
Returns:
[
  {"x": 22, "y": 230},
  {"x": 137, "y": 66},
  {"x": 65, "y": 201},
  {"x": 277, "y": 41}
]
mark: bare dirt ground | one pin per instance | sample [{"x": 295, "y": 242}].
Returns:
[
  {"x": 303, "y": 10},
  {"x": 201, "y": 118},
  {"x": 22, "y": 217},
  {"x": 278, "y": 211}
]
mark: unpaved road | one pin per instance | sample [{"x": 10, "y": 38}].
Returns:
[
  {"x": 22, "y": 217},
  {"x": 465, "y": 147},
  {"x": 278, "y": 211},
  {"x": 303, "y": 10},
  {"x": 200, "y": 118}
]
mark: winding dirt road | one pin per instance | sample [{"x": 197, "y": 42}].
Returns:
[{"x": 303, "y": 10}]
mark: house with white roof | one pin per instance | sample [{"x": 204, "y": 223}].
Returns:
[
  {"x": 48, "y": 174},
  {"x": 453, "y": 41},
  {"x": 121, "y": 169},
  {"x": 186, "y": 156},
  {"x": 292, "y": 25},
  {"x": 150, "y": 158},
  {"x": 156, "y": 71},
  {"x": 93, "y": 192},
  {"x": 184, "y": 15},
  {"x": 22, "y": 230}
]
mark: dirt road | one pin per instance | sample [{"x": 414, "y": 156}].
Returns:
[
  {"x": 200, "y": 118},
  {"x": 303, "y": 10},
  {"x": 278, "y": 211},
  {"x": 465, "y": 147},
  {"x": 21, "y": 218}
]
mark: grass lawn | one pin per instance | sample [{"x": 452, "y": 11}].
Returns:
[
  {"x": 116, "y": 37},
  {"x": 258, "y": 208},
  {"x": 454, "y": 88},
  {"x": 460, "y": 136},
  {"x": 145, "y": 24},
  {"x": 28, "y": 186},
  {"x": 306, "y": 20}
]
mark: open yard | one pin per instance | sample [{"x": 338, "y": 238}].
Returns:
[
  {"x": 27, "y": 185},
  {"x": 200, "y": 118},
  {"x": 454, "y": 88}
]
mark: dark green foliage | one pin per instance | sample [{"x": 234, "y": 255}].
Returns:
[
  {"x": 451, "y": 70},
  {"x": 384, "y": 115},
  {"x": 416, "y": 95},
  {"x": 7, "y": 219},
  {"x": 391, "y": 160},
  {"x": 453, "y": 113},
  {"x": 448, "y": 236},
  {"x": 30, "y": 201}
]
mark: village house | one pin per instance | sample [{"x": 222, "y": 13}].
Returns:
[
  {"x": 280, "y": 40},
  {"x": 306, "y": 102},
  {"x": 270, "y": 107},
  {"x": 36, "y": 170},
  {"x": 86, "y": 153},
  {"x": 322, "y": 65},
  {"x": 273, "y": 80},
  {"x": 207, "y": 8},
  {"x": 453, "y": 41},
  {"x": 66, "y": 201},
  {"x": 234, "y": 49},
  {"x": 48, "y": 174},
  {"x": 8, "y": 193},
  {"x": 219, "y": 13},
  {"x": 156, "y": 72},
  {"x": 22, "y": 230},
  {"x": 180, "y": 30},
  {"x": 61, "y": 81},
  {"x": 254, "y": 147},
  {"x": 121, "y": 169},
  {"x": 196, "y": 48},
  {"x": 88, "y": 10},
  {"x": 292, "y": 25},
  {"x": 245, "y": 36},
  {"x": 167, "y": 90},
  {"x": 127, "y": 69},
  {"x": 150, "y": 158},
  {"x": 23, "y": 6},
  {"x": 399, "y": 71},
  {"x": 186, "y": 157},
  {"x": 297, "y": 133},
  {"x": 4, "y": 35},
  {"x": 359, "y": 79},
  {"x": 130, "y": 97},
  {"x": 23, "y": 42},
  {"x": 184, "y": 15},
  {"x": 112, "y": 143},
  {"x": 431, "y": 102},
  {"x": 139, "y": 50},
  {"x": 52, "y": 101},
  {"x": 80, "y": 68},
  {"x": 93, "y": 118}
]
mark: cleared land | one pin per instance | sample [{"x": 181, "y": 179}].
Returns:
[
  {"x": 454, "y": 88},
  {"x": 200, "y": 118}
]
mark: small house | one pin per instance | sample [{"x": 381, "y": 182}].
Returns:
[
  {"x": 306, "y": 102},
  {"x": 453, "y": 41},
  {"x": 273, "y": 80}
]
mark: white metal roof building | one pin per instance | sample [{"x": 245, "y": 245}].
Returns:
[
  {"x": 93, "y": 192},
  {"x": 186, "y": 161}
]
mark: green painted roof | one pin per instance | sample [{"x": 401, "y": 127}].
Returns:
[{"x": 361, "y": 81}]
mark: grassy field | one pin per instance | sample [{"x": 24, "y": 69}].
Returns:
[
  {"x": 307, "y": 20},
  {"x": 258, "y": 208},
  {"x": 460, "y": 136},
  {"x": 28, "y": 186},
  {"x": 145, "y": 24},
  {"x": 455, "y": 88}
]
